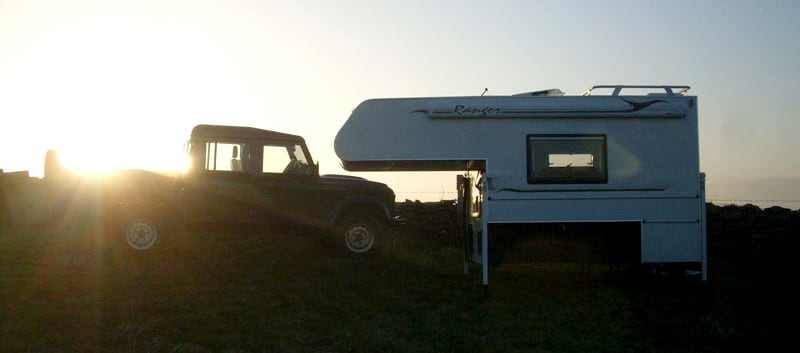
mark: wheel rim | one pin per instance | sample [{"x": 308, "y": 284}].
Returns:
[
  {"x": 359, "y": 238},
  {"x": 141, "y": 234}
]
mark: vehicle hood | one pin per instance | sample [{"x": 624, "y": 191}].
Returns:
[{"x": 354, "y": 183}]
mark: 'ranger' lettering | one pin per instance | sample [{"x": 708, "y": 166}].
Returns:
[{"x": 474, "y": 111}]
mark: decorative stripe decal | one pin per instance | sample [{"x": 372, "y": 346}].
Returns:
[{"x": 633, "y": 110}]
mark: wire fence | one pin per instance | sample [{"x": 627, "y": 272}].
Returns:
[
  {"x": 761, "y": 203},
  {"x": 451, "y": 195}
]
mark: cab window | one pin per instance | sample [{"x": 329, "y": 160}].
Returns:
[
  {"x": 226, "y": 156},
  {"x": 285, "y": 159}
]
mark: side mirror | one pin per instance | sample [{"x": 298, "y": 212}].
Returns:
[{"x": 315, "y": 169}]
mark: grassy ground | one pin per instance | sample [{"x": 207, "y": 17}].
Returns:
[{"x": 72, "y": 290}]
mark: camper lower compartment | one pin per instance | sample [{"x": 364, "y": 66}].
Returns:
[
  {"x": 614, "y": 243},
  {"x": 658, "y": 247}
]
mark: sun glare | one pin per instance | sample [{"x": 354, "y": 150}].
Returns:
[
  {"x": 112, "y": 87},
  {"x": 100, "y": 161},
  {"x": 111, "y": 95}
]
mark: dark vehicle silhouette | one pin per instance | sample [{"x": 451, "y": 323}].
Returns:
[{"x": 239, "y": 176}]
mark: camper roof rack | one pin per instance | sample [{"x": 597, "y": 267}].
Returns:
[{"x": 668, "y": 90}]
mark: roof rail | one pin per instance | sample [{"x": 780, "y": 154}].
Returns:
[{"x": 668, "y": 90}]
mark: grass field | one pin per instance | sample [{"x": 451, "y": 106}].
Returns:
[{"x": 74, "y": 290}]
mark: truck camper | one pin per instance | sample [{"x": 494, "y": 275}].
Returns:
[{"x": 617, "y": 167}]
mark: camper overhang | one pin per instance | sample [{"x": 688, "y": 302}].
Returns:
[{"x": 459, "y": 133}]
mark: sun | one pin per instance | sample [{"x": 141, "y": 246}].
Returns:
[
  {"x": 111, "y": 95},
  {"x": 116, "y": 89}
]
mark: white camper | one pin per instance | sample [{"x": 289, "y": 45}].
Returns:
[{"x": 624, "y": 164}]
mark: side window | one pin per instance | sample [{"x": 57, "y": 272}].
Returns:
[
  {"x": 226, "y": 156},
  {"x": 285, "y": 159},
  {"x": 554, "y": 159},
  {"x": 275, "y": 159}
]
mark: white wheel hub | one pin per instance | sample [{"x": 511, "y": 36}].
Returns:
[
  {"x": 359, "y": 238},
  {"x": 141, "y": 234}
]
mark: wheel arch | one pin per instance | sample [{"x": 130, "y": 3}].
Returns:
[{"x": 354, "y": 205}]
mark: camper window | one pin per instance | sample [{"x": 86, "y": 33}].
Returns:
[{"x": 554, "y": 159}]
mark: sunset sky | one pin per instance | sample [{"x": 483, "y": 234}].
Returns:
[{"x": 113, "y": 84}]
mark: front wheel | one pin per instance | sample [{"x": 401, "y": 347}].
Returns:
[
  {"x": 141, "y": 233},
  {"x": 361, "y": 234}
]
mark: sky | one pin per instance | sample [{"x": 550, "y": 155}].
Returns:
[{"x": 120, "y": 84}]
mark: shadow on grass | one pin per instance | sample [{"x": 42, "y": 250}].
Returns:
[{"x": 79, "y": 289}]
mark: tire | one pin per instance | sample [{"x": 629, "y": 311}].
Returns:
[
  {"x": 360, "y": 234},
  {"x": 140, "y": 233}
]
